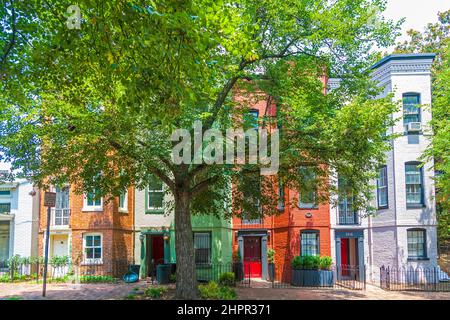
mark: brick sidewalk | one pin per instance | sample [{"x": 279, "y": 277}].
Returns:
[{"x": 119, "y": 291}]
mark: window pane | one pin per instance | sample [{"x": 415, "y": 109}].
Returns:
[
  {"x": 382, "y": 187},
  {"x": 89, "y": 241},
  {"x": 411, "y": 110},
  {"x": 97, "y": 241},
  {"x": 89, "y": 253},
  {"x": 122, "y": 200},
  {"x": 416, "y": 243},
  {"x": 309, "y": 244},
  {"x": 155, "y": 199},
  {"x": 202, "y": 247},
  {"x": 308, "y": 197},
  {"x": 413, "y": 179},
  {"x": 97, "y": 253}
]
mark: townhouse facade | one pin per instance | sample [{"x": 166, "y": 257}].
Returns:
[
  {"x": 300, "y": 229},
  {"x": 19, "y": 214},
  {"x": 154, "y": 235},
  {"x": 403, "y": 232},
  {"x": 89, "y": 229}
]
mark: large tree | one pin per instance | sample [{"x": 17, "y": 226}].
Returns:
[
  {"x": 436, "y": 39},
  {"x": 96, "y": 106}
]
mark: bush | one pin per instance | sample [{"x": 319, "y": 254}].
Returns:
[
  {"x": 212, "y": 291},
  {"x": 270, "y": 255},
  {"x": 326, "y": 263},
  {"x": 96, "y": 279},
  {"x": 173, "y": 278},
  {"x": 227, "y": 279},
  {"x": 155, "y": 292},
  {"x": 306, "y": 262},
  {"x": 59, "y": 261}
]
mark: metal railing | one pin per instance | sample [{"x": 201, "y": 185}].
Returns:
[
  {"x": 5, "y": 208},
  {"x": 414, "y": 279}
]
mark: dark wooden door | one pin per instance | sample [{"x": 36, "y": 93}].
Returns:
[{"x": 252, "y": 257}]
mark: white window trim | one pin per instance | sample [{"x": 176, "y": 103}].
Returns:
[
  {"x": 125, "y": 203},
  {"x": 148, "y": 198},
  {"x": 92, "y": 261},
  {"x": 86, "y": 207}
]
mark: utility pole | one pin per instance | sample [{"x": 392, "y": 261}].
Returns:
[{"x": 49, "y": 202}]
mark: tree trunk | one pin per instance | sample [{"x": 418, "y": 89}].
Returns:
[{"x": 184, "y": 247}]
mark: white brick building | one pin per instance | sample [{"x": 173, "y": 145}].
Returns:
[{"x": 403, "y": 231}]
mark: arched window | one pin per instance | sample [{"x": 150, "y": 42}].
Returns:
[
  {"x": 309, "y": 243},
  {"x": 414, "y": 184},
  {"x": 417, "y": 240}
]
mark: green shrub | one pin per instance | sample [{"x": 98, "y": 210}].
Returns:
[
  {"x": 270, "y": 255},
  {"x": 212, "y": 291},
  {"x": 305, "y": 262},
  {"x": 59, "y": 261},
  {"x": 173, "y": 278},
  {"x": 96, "y": 279},
  {"x": 130, "y": 297},
  {"x": 326, "y": 263},
  {"x": 155, "y": 292},
  {"x": 227, "y": 279}
]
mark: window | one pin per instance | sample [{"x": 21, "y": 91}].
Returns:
[
  {"x": 417, "y": 244},
  {"x": 202, "y": 247},
  {"x": 309, "y": 243},
  {"x": 382, "y": 188},
  {"x": 347, "y": 215},
  {"x": 123, "y": 201},
  {"x": 308, "y": 197},
  {"x": 5, "y": 193},
  {"x": 411, "y": 110},
  {"x": 93, "y": 201},
  {"x": 155, "y": 195},
  {"x": 280, "y": 194},
  {"x": 92, "y": 248},
  {"x": 253, "y": 115},
  {"x": 414, "y": 184}
]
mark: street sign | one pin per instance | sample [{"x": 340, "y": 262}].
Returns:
[{"x": 49, "y": 199}]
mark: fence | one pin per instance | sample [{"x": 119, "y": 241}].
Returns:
[
  {"x": 338, "y": 276},
  {"x": 24, "y": 269},
  {"x": 414, "y": 279},
  {"x": 208, "y": 272}
]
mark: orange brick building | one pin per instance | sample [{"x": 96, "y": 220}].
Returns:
[
  {"x": 90, "y": 230},
  {"x": 303, "y": 229}
]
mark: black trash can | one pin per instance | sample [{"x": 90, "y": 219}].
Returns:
[{"x": 163, "y": 273}]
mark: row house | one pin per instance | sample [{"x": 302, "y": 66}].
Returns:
[
  {"x": 89, "y": 229},
  {"x": 155, "y": 233},
  {"x": 403, "y": 232},
  {"x": 19, "y": 214}
]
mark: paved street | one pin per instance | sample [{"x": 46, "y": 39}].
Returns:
[{"x": 119, "y": 291}]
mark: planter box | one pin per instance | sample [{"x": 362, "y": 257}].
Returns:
[{"x": 312, "y": 278}]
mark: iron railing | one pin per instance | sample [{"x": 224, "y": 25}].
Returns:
[
  {"x": 338, "y": 276},
  {"x": 414, "y": 279}
]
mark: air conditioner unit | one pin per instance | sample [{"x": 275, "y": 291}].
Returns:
[{"x": 414, "y": 127}]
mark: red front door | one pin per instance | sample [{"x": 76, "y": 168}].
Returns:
[
  {"x": 158, "y": 249},
  {"x": 252, "y": 257},
  {"x": 344, "y": 256}
]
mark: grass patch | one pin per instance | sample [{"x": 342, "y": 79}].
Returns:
[
  {"x": 155, "y": 292},
  {"x": 212, "y": 291}
]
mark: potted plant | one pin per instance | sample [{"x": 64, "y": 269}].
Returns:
[
  {"x": 238, "y": 267},
  {"x": 271, "y": 263},
  {"x": 326, "y": 274},
  {"x": 305, "y": 271}
]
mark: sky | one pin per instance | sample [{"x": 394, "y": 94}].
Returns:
[{"x": 418, "y": 13}]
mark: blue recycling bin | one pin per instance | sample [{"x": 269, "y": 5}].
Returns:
[{"x": 163, "y": 273}]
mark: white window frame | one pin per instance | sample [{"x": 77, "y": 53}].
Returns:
[
  {"x": 125, "y": 202},
  {"x": 91, "y": 260},
  {"x": 149, "y": 208},
  {"x": 87, "y": 207}
]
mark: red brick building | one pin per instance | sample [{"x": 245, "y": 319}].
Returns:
[
  {"x": 302, "y": 229},
  {"x": 90, "y": 230}
]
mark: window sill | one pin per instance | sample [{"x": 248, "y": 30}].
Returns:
[
  {"x": 92, "y": 209},
  {"x": 415, "y": 206},
  {"x": 418, "y": 259},
  {"x": 92, "y": 263},
  {"x": 154, "y": 211},
  {"x": 383, "y": 207},
  {"x": 122, "y": 210}
]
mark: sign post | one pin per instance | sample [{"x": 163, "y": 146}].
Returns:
[{"x": 49, "y": 202}]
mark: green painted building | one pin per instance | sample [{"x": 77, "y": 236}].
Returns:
[{"x": 155, "y": 235}]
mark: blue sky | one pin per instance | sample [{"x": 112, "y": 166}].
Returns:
[{"x": 418, "y": 13}]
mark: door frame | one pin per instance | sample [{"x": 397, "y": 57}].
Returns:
[
  {"x": 351, "y": 234},
  {"x": 264, "y": 236},
  {"x": 144, "y": 261}
]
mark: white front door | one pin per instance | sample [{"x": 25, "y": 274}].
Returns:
[{"x": 60, "y": 245}]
